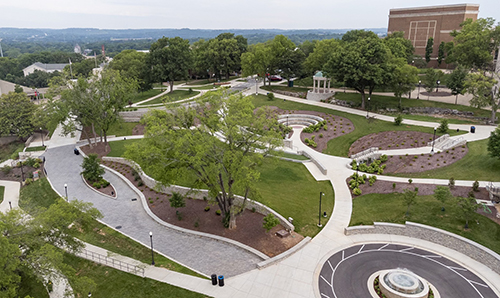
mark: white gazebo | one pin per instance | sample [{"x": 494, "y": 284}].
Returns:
[{"x": 321, "y": 88}]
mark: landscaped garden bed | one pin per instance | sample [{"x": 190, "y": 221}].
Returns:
[
  {"x": 389, "y": 140},
  {"x": 103, "y": 187},
  {"x": 424, "y": 162},
  {"x": 15, "y": 173},
  {"x": 194, "y": 216}
]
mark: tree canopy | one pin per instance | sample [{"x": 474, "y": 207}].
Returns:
[
  {"x": 133, "y": 65},
  {"x": 16, "y": 115},
  {"x": 220, "y": 154}
]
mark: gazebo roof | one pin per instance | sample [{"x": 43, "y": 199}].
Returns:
[{"x": 319, "y": 74}]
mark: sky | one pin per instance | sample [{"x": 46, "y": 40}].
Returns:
[{"x": 214, "y": 14}]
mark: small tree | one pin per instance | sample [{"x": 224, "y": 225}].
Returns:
[
  {"x": 494, "y": 143},
  {"x": 428, "y": 49},
  {"x": 442, "y": 194},
  {"x": 92, "y": 170},
  {"x": 270, "y": 222},
  {"x": 270, "y": 96},
  {"x": 177, "y": 201},
  {"x": 430, "y": 79},
  {"x": 443, "y": 127},
  {"x": 409, "y": 198},
  {"x": 451, "y": 182},
  {"x": 441, "y": 52},
  {"x": 18, "y": 89},
  {"x": 456, "y": 81},
  {"x": 475, "y": 186},
  {"x": 469, "y": 207},
  {"x": 398, "y": 120}
]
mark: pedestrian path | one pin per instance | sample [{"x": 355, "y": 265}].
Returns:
[
  {"x": 129, "y": 217},
  {"x": 10, "y": 195}
]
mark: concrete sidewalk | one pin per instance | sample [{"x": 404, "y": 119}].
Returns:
[{"x": 11, "y": 194}]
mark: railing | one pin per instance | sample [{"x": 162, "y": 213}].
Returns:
[
  {"x": 366, "y": 152},
  {"x": 105, "y": 260},
  {"x": 439, "y": 140}
]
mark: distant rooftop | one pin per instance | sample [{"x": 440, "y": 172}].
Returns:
[{"x": 49, "y": 67}]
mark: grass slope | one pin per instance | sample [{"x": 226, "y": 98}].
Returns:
[
  {"x": 120, "y": 129},
  {"x": 171, "y": 97},
  {"x": 11, "y": 150},
  {"x": 390, "y": 208},
  {"x": 2, "y": 190},
  {"x": 146, "y": 94},
  {"x": 41, "y": 194}
]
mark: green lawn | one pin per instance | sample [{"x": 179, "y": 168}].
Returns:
[
  {"x": 285, "y": 88},
  {"x": 380, "y": 102},
  {"x": 171, "y": 97},
  {"x": 39, "y": 148},
  {"x": 113, "y": 283},
  {"x": 434, "y": 119},
  {"x": 207, "y": 87},
  {"x": 390, "y": 208},
  {"x": 287, "y": 187},
  {"x": 120, "y": 129},
  {"x": 11, "y": 150},
  {"x": 40, "y": 194},
  {"x": 146, "y": 94},
  {"x": 340, "y": 146},
  {"x": 477, "y": 164},
  {"x": 211, "y": 81},
  {"x": 2, "y": 190},
  {"x": 294, "y": 156}
]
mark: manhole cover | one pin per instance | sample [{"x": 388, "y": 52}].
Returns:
[{"x": 118, "y": 227}]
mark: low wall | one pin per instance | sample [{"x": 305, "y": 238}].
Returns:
[
  {"x": 463, "y": 245},
  {"x": 197, "y": 193},
  {"x": 7, "y": 140},
  {"x": 319, "y": 96},
  {"x": 317, "y": 163}
]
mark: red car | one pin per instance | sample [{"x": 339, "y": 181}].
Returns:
[{"x": 274, "y": 78}]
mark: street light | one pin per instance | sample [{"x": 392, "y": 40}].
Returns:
[
  {"x": 433, "y": 138},
  {"x": 319, "y": 217},
  {"x": 10, "y": 204},
  {"x": 418, "y": 95},
  {"x": 90, "y": 294},
  {"x": 22, "y": 171},
  {"x": 66, "y": 191},
  {"x": 256, "y": 86},
  {"x": 367, "y": 106},
  {"x": 152, "y": 252},
  {"x": 437, "y": 88}
]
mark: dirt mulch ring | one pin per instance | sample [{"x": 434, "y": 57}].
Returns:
[
  {"x": 108, "y": 190},
  {"x": 138, "y": 130},
  {"x": 424, "y": 162},
  {"x": 15, "y": 173},
  {"x": 439, "y": 93},
  {"x": 388, "y": 140},
  {"x": 249, "y": 229},
  {"x": 385, "y": 187},
  {"x": 100, "y": 149},
  {"x": 336, "y": 127}
]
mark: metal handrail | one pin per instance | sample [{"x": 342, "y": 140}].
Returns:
[{"x": 105, "y": 260}]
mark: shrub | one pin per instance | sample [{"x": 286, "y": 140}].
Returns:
[
  {"x": 270, "y": 222},
  {"x": 28, "y": 181},
  {"x": 36, "y": 165},
  {"x": 91, "y": 168},
  {"x": 253, "y": 210},
  {"x": 140, "y": 183},
  {"x": 475, "y": 186},
  {"x": 270, "y": 96},
  {"x": 443, "y": 127},
  {"x": 6, "y": 169},
  {"x": 383, "y": 158},
  {"x": 451, "y": 183},
  {"x": 177, "y": 200},
  {"x": 312, "y": 137},
  {"x": 320, "y": 135},
  {"x": 196, "y": 223},
  {"x": 393, "y": 186},
  {"x": 398, "y": 120},
  {"x": 410, "y": 180},
  {"x": 357, "y": 191},
  {"x": 97, "y": 185},
  {"x": 325, "y": 127},
  {"x": 372, "y": 180},
  {"x": 207, "y": 209},
  {"x": 205, "y": 199},
  {"x": 218, "y": 212}
]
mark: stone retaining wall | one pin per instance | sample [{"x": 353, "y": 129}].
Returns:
[
  {"x": 198, "y": 193},
  {"x": 463, "y": 245}
]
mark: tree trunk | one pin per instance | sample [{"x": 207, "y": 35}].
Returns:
[
  {"x": 456, "y": 99},
  {"x": 95, "y": 135},
  {"x": 362, "y": 100},
  {"x": 87, "y": 137},
  {"x": 171, "y": 83},
  {"x": 493, "y": 114},
  {"x": 232, "y": 219}
]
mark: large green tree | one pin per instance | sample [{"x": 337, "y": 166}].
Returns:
[
  {"x": 170, "y": 60},
  {"x": 222, "y": 153},
  {"x": 258, "y": 60},
  {"x": 400, "y": 47},
  {"x": 494, "y": 143},
  {"x": 361, "y": 64},
  {"x": 456, "y": 81},
  {"x": 133, "y": 65},
  {"x": 319, "y": 57},
  {"x": 16, "y": 115},
  {"x": 404, "y": 78},
  {"x": 32, "y": 244}
]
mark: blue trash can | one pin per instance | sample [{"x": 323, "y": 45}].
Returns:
[
  {"x": 221, "y": 280},
  {"x": 472, "y": 129}
]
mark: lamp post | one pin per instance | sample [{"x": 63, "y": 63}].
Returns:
[
  {"x": 152, "y": 252},
  {"x": 22, "y": 171},
  {"x": 286, "y": 120},
  {"x": 437, "y": 88},
  {"x": 367, "y": 106},
  {"x": 357, "y": 168},
  {"x": 418, "y": 95},
  {"x": 66, "y": 191},
  {"x": 10, "y": 204},
  {"x": 256, "y": 86},
  {"x": 319, "y": 217},
  {"x": 433, "y": 138}
]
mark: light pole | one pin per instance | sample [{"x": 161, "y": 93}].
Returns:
[
  {"x": 319, "y": 216},
  {"x": 10, "y": 204},
  {"x": 433, "y": 138},
  {"x": 66, "y": 191},
  {"x": 22, "y": 171},
  {"x": 286, "y": 120},
  {"x": 357, "y": 168},
  {"x": 152, "y": 252},
  {"x": 256, "y": 86},
  {"x": 418, "y": 95},
  {"x": 437, "y": 88},
  {"x": 367, "y": 106}
]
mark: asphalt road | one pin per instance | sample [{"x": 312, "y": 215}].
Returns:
[{"x": 345, "y": 274}]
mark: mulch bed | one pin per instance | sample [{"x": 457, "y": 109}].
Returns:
[
  {"x": 100, "y": 149},
  {"x": 108, "y": 190},
  {"x": 388, "y": 140},
  {"x": 249, "y": 228},
  {"x": 385, "y": 187},
  {"x": 336, "y": 127},
  {"x": 424, "y": 162},
  {"x": 15, "y": 173}
]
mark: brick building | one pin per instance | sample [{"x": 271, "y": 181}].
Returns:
[{"x": 420, "y": 23}]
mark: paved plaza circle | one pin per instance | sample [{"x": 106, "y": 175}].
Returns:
[{"x": 345, "y": 274}]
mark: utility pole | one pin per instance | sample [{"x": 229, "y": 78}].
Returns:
[{"x": 1, "y": 52}]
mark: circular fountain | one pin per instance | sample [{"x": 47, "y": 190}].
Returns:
[{"x": 400, "y": 283}]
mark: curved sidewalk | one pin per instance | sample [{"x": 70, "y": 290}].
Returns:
[{"x": 203, "y": 255}]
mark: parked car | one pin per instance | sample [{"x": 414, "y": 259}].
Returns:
[{"x": 275, "y": 78}]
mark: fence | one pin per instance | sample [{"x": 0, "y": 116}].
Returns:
[{"x": 117, "y": 264}]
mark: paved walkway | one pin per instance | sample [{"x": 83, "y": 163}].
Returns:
[
  {"x": 201, "y": 254},
  {"x": 10, "y": 194}
]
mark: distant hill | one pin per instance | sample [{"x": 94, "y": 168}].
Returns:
[{"x": 86, "y": 35}]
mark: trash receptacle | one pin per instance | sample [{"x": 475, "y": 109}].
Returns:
[
  {"x": 214, "y": 279},
  {"x": 472, "y": 129},
  {"x": 221, "y": 280},
  {"x": 290, "y": 83}
]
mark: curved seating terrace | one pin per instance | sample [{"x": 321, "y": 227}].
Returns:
[{"x": 299, "y": 119}]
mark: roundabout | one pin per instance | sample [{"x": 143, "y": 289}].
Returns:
[{"x": 346, "y": 273}]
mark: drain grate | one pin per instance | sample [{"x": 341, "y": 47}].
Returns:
[
  {"x": 118, "y": 227},
  {"x": 134, "y": 199}
]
